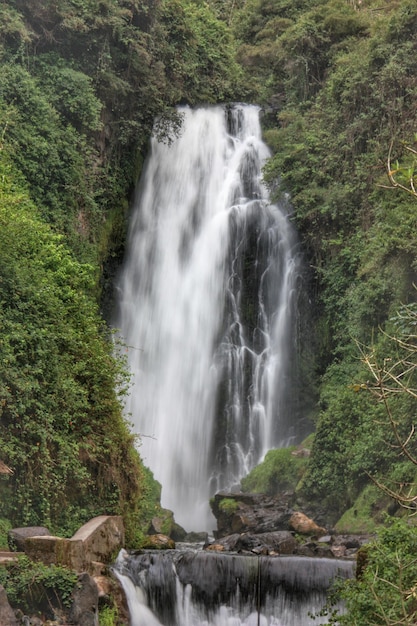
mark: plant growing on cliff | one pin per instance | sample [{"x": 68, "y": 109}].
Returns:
[
  {"x": 61, "y": 425},
  {"x": 35, "y": 587},
  {"x": 108, "y": 616},
  {"x": 228, "y": 506}
]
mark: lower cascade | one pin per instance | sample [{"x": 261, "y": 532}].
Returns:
[
  {"x": 208, "y": 310},
  {"x": 192, "y": 588}
]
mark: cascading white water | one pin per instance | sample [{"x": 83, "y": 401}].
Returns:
[
  {"x": 206, "y": 309},
  {"x": 207, "y": 589}
]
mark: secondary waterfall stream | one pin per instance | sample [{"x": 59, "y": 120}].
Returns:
[{"x": 207, "y": 310}]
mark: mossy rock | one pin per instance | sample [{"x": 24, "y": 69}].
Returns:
[
  {"x": 281, "y": 470},
  {"x": 367, "y": 513},
  {"x": 164, "y": 522},
  {"x": 228, "y": 506}
]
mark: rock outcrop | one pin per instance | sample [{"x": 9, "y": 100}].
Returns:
[
  {"x": 165, "y": 524},
  {"x": 92, "y": 547},
  {"x": 250, "y": 512}
]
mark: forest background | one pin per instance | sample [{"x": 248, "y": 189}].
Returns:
[{"x": 81, "y": 82}]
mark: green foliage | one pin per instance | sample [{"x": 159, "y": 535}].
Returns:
[
  {"x": 199, "y": 55},
  {"x": 80, "y": 86},
  {"x": 61, "y": 428},
  {"x": 339, "y": 83},
  {"x": 366, "y": 514},
  {"x": 5, "y": 526},
  {"x": 288, "y": 47},
  {"x": 228, "y": 506},
  {"x": 384, "y": 591},
  {"x": 148, "y": 507},
  {"x": 280, "y": 471},
  {"x": 36, "y": 587},
  {"x": 350, "y": 442},
  {"x": 70, "y": 92},
  {"x": 108, "y": 616}
]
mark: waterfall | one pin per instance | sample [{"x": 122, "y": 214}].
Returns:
[
  {"x": 207, "y": 310},
  {"x": 206, "y": 589}
]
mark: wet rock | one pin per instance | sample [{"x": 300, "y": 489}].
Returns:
[
  {"x": 196, "y": 537},
  {"x": 165, "y": 524},
  {"x": 334, "y": 546},
  {"x": 306, "y": 550},
  {"x": 304, "y": 525},
  {"x": 158, "y": 542},
  {"x": 278, "y": 542},
  {"x": 84, "y": 609},
  {"x": 215, "y": 547},
  {"x": 111, "y": 593},
  {"x": 254, "y": 513},
  {"x": 351, "y": 541},
  {"x": 177, "y": 532},
  {"x": 7, "y": 616},
  {"x": 339, "y": 552}
]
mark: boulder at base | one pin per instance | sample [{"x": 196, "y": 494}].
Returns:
[
  {"x": 250, "y": 512},
  {"x": 158, "y": 542},
  {"x": 7, "y": 616},
  {"x": 273, "y": 543},
  {"x": 84, "y": 609},
  {"x": 304, "y": 525}
]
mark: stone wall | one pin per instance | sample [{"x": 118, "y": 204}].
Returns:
[{"x": 97, "y": 542}]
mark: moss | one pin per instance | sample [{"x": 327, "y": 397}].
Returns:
[{"x": 228, "y": 506}]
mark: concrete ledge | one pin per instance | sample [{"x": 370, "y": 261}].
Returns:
[
  {"x": 97, "y": 541},
  {"x": 9, "y": 557}
]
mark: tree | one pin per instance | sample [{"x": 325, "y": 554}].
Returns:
[
  {"x": 403, "y": 175},
  {"x": 393, "y": 383}
]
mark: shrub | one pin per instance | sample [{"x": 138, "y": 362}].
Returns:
[{"x": 35, "y": 587}]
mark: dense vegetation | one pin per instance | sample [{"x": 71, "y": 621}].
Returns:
[
  {"x": 81, "y": 82},
  {"x": 340, "y": 80}
]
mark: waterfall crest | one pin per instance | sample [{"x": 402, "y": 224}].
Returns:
[
  {"x": 207, "y": 310},
  {"x": 207, "y": 589}
]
